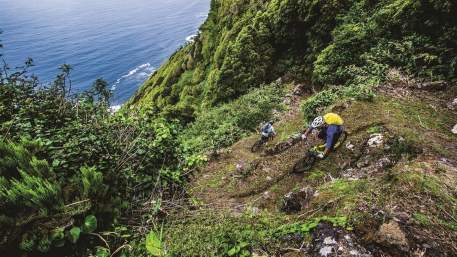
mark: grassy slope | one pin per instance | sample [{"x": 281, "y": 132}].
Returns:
[{"x": 418, "y": 183}]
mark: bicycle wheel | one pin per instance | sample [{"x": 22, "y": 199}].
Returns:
[
  {"x": 304, "y": 164},
  {"x": 257, "y": 145},
  {"x": 277, "y": 149}
]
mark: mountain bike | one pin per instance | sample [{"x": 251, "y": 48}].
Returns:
[
  {"x": 283, "y": 146},
  {"x": 306, "y": 163}
]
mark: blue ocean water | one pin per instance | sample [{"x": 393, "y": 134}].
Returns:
[{"x": 118, "y": 40}]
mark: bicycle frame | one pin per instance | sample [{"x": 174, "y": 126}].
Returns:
[{"x": 321, "y": 148}]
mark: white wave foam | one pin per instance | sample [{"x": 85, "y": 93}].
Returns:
[
  {"x": 139, "y": 73},
  {"x": 202, "y": 15},
  {"x": 191, "y": 38},
  {"x": 114, "y": 108}
]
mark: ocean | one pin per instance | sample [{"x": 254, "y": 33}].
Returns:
[{"x": 120, "y": 41}]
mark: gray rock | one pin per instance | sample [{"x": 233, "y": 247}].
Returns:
[
  {"x": 350, "y": 146},
  {"x": 454, "y": 129},
  {"x": 329, "y": 241},
  {"x": 253, "y": 210},
  {"x": 432, "y": 85},
  {"x": 383, "y": 163},
  {"x": 364, "y": 162},
  {"x": 375, "y": 140},
  {"x": 452, "y": 105},
  {"x": 240, "y": 166}
]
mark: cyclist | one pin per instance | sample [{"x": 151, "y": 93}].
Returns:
[
  {"x": 267, "y": 130},
  {"x": 330, "y": 127}
]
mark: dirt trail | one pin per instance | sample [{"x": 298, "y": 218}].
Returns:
[
  {"x": 219, "y": 185},
  {"x": 266, "y": 178}
]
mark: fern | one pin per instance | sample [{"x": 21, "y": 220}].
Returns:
[
  {"x": 30, "y": 191},
  {"x": 91, "y": 180}
]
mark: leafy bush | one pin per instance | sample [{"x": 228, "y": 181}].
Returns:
[
  {"x": 26, "y": 182},
  {"x": 224, "y": 125},
  {"x": 210, "y": 234},
  {"x": 216, "y": 235},
  {"x": 317, "y": 103},
  {"x": 350, "y": 43},
  {"x": 242, "y": 45},
  {"x": 64, "y": 160}
]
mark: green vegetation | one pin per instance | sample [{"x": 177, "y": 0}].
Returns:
[
  {"x": 68, "y": 168},
  {"x": 343, "y": 194},
  {"x": 421, "y": 218},
  {"x": 211, "y": 234},
  {"x": 222, "y": 126},
  {"x": 77, "y": 180},
  {"x": 244, "y": 44},
  {"x": 216, "y": 235}
]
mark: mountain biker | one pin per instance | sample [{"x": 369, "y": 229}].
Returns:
[
  {"x": 267, "y": 130},
  {"x": 330, "y": 127}
]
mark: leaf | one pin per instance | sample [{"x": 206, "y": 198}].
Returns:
[
  {"x": 90, "y": 224},
  {"x": 74, "y": 234},
  {"x": 102, "y": 252},
  {"x": 153, "y": 244},
  {"x": 55, "y": 163},
  {"x": 59, "y": 243},
  {"x": 243, "y": 244},
  {"x": 245, "y": 253},
  {"x": 232, "y": 251},
  {"x": 57, "y": 234},
  {"x": 57, "y": 237}
]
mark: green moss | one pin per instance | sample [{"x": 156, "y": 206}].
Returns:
[
  {"x": 224, "y": 125},
  {"x": 316, "y": 175},
  {"x": 422, "y": 219},
  {"x": 289, "y": 128},
  {"x": 375, "y": 129},
  {"x": 214, "y": 234},
  {"x": 452, "y": 225},
  {"x": 308, "y": 226},
  {"x": 427, "y": 184},
  {"x": 343, "y": 195}
]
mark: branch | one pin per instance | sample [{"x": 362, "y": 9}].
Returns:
[{"x": 101, "y": 238}]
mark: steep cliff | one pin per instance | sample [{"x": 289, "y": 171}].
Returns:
[{"x": 244, "y": 44}]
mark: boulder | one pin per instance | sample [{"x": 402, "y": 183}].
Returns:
[
  {"x": 329, "y": 241},
  {"x": 391, "y": 236},
  {"x": 296, "y": 201}
]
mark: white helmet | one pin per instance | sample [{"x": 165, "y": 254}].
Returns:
[{"x": 317, "y": 122}]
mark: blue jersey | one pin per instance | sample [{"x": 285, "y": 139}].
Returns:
[{"x": 267, "y": 128}]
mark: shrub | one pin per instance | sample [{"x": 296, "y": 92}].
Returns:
[
  {"x": 29, "y": 191},
  {"x": 64, "y": 156},
  {"x": 223, "y": 125}
]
